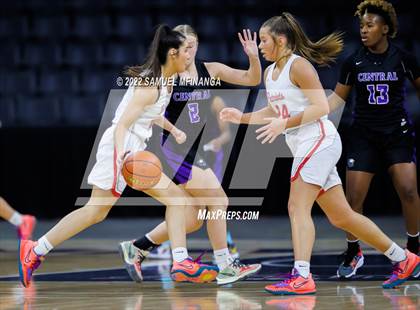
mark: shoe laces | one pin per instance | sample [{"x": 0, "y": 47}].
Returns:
[
  {"x": 34, "y": 264},
  {"x": 140, "y": 257},
  {"x": 288, "y": 277},
  {"x": 396, "y": 269},
  {"x": 237, "y": 263}
]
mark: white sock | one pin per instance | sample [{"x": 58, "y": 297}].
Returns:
[
  {"x": 395, "y": 253},
  {"x": 302, "y": 268},
  {"x": 412, "y": 236},
  {"x": 43, "y": 247},
  {"x": 179, "y": 254},
  {"x": 222, "y": 258},
  {"x": 16, "y": 219}
]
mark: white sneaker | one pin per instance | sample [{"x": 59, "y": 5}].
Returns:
[
  {"x": 236, "y": 271},
  {"x": 132, "y": 257}
]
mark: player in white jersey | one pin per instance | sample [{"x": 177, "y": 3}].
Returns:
[
  {"x": 297, "y": 108},
  {"x": 140, "y": 108}
]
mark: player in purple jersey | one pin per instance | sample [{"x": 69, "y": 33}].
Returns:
[
  {"x": 381, "y": 135},
  {"x": 188, "y": 110}
]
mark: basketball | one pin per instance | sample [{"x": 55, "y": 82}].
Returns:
[{"x": 142, "y": 170}]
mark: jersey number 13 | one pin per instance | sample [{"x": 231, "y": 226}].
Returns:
[{"x": 378, "y": 94}]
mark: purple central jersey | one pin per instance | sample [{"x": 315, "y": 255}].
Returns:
[
  {"x": 188, "y": 110},
  {"x": 379, "y": 80}
]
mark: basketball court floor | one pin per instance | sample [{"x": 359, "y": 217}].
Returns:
[{"x": 87, "y": 273}]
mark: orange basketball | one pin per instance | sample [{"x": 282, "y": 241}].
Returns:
[{"x": 142, "y": 170}]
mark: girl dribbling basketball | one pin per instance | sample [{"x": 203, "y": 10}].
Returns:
[{"x": 132, "y": 126}]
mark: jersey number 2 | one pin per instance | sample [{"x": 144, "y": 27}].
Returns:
[
  {"x": 382, "y": 98},
  {"x": 193, "y": 112}
]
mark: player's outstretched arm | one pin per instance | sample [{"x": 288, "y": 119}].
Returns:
[
  {"x": 250, "y": 77},
  {"x": 235, "y": 116}
]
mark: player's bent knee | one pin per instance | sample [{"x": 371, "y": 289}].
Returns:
[
  {"x": 343, "y": 220},
  {"x": 96, "y": 214}
]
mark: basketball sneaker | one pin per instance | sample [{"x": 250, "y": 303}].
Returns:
[
  {"x": 25, "y": 229},
  {"x": 28, "y": 261},
  {"x": 349, "y": 266},
  {"x": 163, "y": 251},
  {"x": 294, "y": 284},
  {"x": 193, "y": 271},
  {"x": 401, "y": 271},
  {"x": 236, "y": 271},
  {"x": 132, "y": 257}
]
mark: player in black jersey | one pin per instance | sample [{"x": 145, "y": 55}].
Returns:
[
  {"x": 381, "y": 135},
  {"x": 188, "y": 109}
]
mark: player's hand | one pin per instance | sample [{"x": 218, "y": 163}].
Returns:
[
  {"x": 179, "y": 135},
  {"x": 249, "y": 42},
  {"x": 272, "y": 130},
  {"x": 214, "y": 146},
  {"x": 230, "y": 115}
]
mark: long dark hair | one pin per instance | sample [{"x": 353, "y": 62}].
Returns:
[
  {"x": 321, "y": 52},
  {"x": 165, "y": 38}
]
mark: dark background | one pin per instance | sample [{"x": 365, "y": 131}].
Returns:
[{"x": 59, "y": 59}]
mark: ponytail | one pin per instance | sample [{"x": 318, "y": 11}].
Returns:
[
  {"x": 321, "y": 52},
  {"x": 164, "y": 39}
]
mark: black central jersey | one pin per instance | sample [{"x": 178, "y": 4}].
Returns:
[
  {"x": 189, "y": 106},
  {"x": 379, "y": 80}
]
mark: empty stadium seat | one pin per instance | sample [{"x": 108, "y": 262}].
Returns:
[
  {"x": 251, "y": 22},
  {"x": 17, "y": 82},
  {"x": 37, "y": 111},
  {"x": 133, "y": 27},
  {"x": 7, "y": 111},
  {"x": 41, "y": 54},
  {"x": 348, "y": 24},
  {"x": 82, "y": 110},
  {"x": 98, "y": 81},
  {"x": 9, "y": 54},
  {"x": 13, "y": 27},
  {"x": 313, "y": 26},
  {"x": 81, "y": 54},
  {"x": 49, "y": 27},
  {"x": 174, "y": 20},
  {"x": 238, "y": 56},
  {"x": 90, "y": 27},
  {"x": 119, "y": 54},
  {"x": 58, "y": 81},
  {"x": 215, "y": 26},
  {"x": 216, "y": 51}
]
